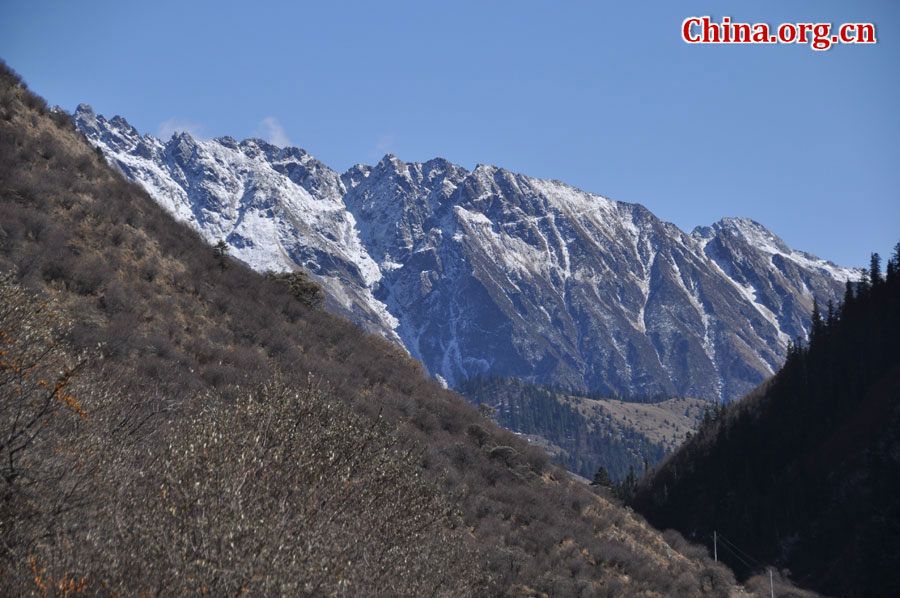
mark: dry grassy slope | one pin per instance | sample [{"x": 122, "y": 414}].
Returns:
[
  {"x": 667, "y": 422},
  {"x": 621, "y": 524},
  {"x": 181, "y": 328}
]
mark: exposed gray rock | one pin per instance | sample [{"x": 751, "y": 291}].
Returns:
[{"x": 493, "y": 272}]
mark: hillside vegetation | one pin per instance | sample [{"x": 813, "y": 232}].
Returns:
[
  {"x": 175, "y": 424},
  {"x": 804, "y": 472},
  {"x": 585, "y": 433},
  {"x": 667, "y": 422}
]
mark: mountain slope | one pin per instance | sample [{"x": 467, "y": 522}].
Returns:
[
  {"x": 490, "y": 272},
  {"x": 804, "y": 472},
  {"x": 277, "y": 209},
  {"x": 200, "y": 380},
  {"x": 583, "y": 433}
]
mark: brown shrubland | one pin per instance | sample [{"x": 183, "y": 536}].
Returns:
[{"x": 226, "y": 436}]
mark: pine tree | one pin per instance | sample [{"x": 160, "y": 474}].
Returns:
[
  {"x": 895, "y": 259},
  {"x": 601, "y": 478},
  {"x": 707, "y": 420},
  {"x": 818, "y": 324},
  {"x": 831, "y": 317},
  {"x": 220, "y": 251},
  {"x": 626, "y": 489},
  {"x": 848, "y": 295},
  {"x": 875, "y": 270},
  {"x": 863, "y": 286}
]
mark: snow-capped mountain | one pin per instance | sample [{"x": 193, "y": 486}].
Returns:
[
  {"x": 278, "y": 209},
  {"x": 493, "y": 272}
]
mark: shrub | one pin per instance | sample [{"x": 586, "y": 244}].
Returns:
[{"x": 38, "y": 411}]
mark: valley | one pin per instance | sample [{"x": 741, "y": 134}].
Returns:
[
  {"x": 178, "y": 424},
  {"x": 184, "y": 417}
]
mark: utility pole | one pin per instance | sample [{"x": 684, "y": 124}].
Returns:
[
  {"x": 771, "y": 584},
  {"x": 715, "y": 548}
]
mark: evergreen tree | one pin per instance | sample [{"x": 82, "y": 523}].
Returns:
[
  {"x": 220, "y": 251},
  {"x": 875, "y": 270},
  {"x": 626, "y": 489},
  {"x": 707, "y": 420},
  {"x": 862, "y": 287},
  {"x": 601, "y": 478},
  {"x": 831, "y": 317},
  {"x": 895, "y": 259},
  {"x": 818, "y": 324},
  {"x": 848, "y": 296}
]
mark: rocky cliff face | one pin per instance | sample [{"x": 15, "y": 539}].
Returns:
[
  {"x": 278, "y": 209},
  {"x": 493, "y": 272}
]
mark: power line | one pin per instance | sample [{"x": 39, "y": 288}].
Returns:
[
  {"x": 743, "y": 556},
  {"x": 738, "y": 557},
  {"x": 739, "y": 549},
  {"x": 735, "y": 547},
  {"x": 735, "y": 550}
]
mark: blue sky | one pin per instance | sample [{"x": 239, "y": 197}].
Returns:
[{"x": 602, "y": 95}]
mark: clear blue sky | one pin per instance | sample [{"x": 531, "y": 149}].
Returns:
[{"x": 603, "y": 95}]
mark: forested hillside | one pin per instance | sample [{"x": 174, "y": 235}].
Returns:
[
  {"x": 585, "y": 433},
  {"x": 805, "y": 472},
  {"x": 175, "y": 424}
]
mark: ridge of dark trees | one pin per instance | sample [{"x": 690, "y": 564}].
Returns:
[{"x": 804, "y": 472}]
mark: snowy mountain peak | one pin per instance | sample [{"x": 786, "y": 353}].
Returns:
[
  {"x": 754, "y": 233},
  {"x": 86, "y": 118},
  {"x": 762, "y": 239},
  {"x": 227, "y": 141},
  {"x": 277, "y": 208},
  {"x": 490, "y": 271}
]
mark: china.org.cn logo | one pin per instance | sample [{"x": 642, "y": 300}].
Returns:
[{"x": 819, "y": 36}]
